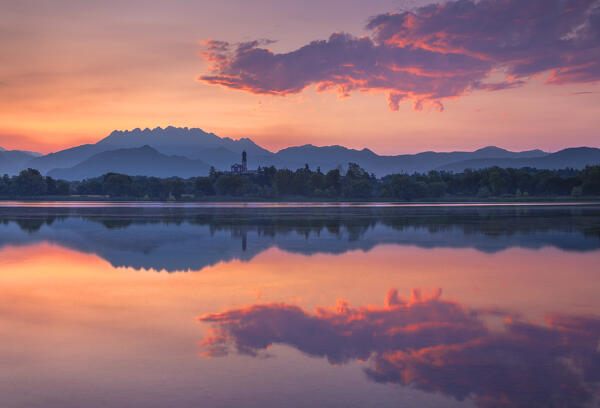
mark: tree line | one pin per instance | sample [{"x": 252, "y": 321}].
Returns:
[
  {"x": 355, "y": 183},
  {"x": 30, "y": 183}
]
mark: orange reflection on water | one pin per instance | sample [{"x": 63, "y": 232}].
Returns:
[
  {"x": 72, "y": 318},
  {"x": 531, "y": 281},
  {"x": 55, "y": 282}
]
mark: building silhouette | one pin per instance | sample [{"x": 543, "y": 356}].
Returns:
[{"x": 241, "y": 168}]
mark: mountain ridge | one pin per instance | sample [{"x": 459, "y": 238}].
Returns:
[
  {"x": 572, "y": 157},
  {"x": 137, "y": 161},
  {"x": 183, "y": 143},
  {"x": 11, "y": 161}
]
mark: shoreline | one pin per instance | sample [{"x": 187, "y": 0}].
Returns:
[{"x": 285, "y": 204}]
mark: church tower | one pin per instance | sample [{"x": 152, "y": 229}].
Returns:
[{"x": 244, "y": 162}]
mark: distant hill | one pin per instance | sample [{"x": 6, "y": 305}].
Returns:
[
  {"x": 64, "y": 158},
  {"x": 211, "y": 150},
  {"x": 13, "y": 161},
  {"x": 576, "y": 157},
  {"x": 135, "y": 161},
  {"x": 27, "y": 152},
  {"x": 30, "y": 153},
  {"x": 329, "y": 157}
]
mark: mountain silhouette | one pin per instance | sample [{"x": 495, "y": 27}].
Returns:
[
  {"x": 179, "y": 141},
  {"x": 190, "y": 143},
  {"x": 576, "y": 158},
  {"x": 12, "y": 161},
  {"x": 132, "y": 161},
  {"x": 328, "y": 157},
  {"x": 221, "y": 152},
  {"x": 64, "y": 158}
]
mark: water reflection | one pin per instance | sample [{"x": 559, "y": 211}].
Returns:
[
  {"x": 179, "y": 239},
  {"x": 492, "y": 356},
  {"x": 82, "y": 326}
]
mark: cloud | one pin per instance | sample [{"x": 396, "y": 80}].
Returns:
[
  {"x": 432, "y": 344},
  {"x": 436, "y": 52},
  {"x": 401, "y": 323}
]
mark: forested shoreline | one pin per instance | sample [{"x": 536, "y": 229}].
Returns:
[{"x": 354, "y": 183}]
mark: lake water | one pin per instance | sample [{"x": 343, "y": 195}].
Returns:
[{"x": 299, "y": 306}]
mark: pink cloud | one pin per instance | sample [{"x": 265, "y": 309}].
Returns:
[{"x": 434, "y": 53}]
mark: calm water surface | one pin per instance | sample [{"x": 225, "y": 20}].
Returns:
[{"x": 299, "y": 306}]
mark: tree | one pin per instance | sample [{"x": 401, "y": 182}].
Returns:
[
  {"x": 283, "y": 182},
  {"x": 92, "y": 186},
  {"x": 117, "y": 185},
  {"x": 30, "y": 183},
  {"x": 356, "y": 172},
  {"x": 590, "y": 178},
  {"x": 230, "y": 184},
  {"x": 62, "y": 188},
  {"x": 358, "y": 188},
  {"x": 357, "y": 183},
  {"x": 203, "y": 187},
  {"x": 5, "y": 185},
  {"x": 50, "y": 186},
  {"x": 212, "y": 173},
  {"x": 317, "y": 181},
  {"x": 404, "y": 187},
  {"x": 333, "y": 182},
  {"x": 300, "y": 181}
]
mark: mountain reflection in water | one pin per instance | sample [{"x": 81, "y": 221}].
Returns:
[{"x": 180, "y": 239}]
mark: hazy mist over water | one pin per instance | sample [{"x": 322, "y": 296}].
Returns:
[{"x": 150, "y": 306}]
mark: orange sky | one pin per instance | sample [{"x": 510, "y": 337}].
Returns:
[{"x": 70, "y": 73}]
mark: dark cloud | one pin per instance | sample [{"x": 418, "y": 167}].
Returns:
[
  {"x": 434, "y": 53},
  {"x": 346, "y": 64},
  {"x": 432, "y": 344}
]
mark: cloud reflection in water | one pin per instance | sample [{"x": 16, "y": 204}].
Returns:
[{"x": 436, "y": 345}]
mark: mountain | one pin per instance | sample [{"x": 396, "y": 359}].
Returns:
[
  {"x": 28, "y": 152},
  {"x": 494, "y": 151},
  {"x": 2, "y": 149},
  {"x": 13, "y": 161},
  {"x": 64, "y": 158},
  {"x": 179, "y": 141},
  {"x": 576, "y": 157},
  {"x": 211, "y": 150},
  {"x": 192, "y": 143},
  {"x": 143, "y": 160},
  {"x": 329, "y": 157}
]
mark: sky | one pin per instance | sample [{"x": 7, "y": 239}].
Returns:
[{"x": 394, "y": 76}]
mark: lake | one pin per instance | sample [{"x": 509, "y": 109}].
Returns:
[{"x": 297, "y": 305}]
